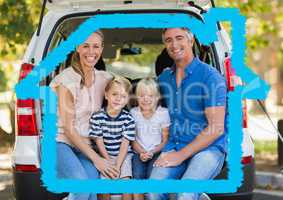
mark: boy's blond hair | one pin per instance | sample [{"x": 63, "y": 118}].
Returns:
[
  {"x": 150, "y": 84},
  {"x": 125, "y": 83}
]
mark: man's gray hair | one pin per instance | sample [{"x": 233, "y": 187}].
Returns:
[{"x": 188, "y": 33}]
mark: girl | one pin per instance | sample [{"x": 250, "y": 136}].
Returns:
[{"x": 152, "y": 122}]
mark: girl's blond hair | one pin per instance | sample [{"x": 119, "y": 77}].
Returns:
[
  {"x": 148, "y": 83},
  {"x": 76, "y": 64}
]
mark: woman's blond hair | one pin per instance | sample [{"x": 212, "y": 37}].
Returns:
[{"x": 76, "y": 64}]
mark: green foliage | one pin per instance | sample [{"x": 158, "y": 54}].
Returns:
[
  {"x": 17, "y": 23},
  {"x": 255, "y": 11},
  {"x": 3, "y": 79},
  {"x": 147, "y": 57},
  {"x": 265, "y": 147},
  {"x": 264, "y": 21}
]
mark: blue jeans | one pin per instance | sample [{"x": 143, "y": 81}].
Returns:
[
  {"x": 204, "y": 165},
  {"x": 142, "y": 170},
  {"x": 72, "y": 164}
]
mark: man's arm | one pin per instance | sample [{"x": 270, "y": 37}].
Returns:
[
  {"x": 215, "y": 117},
  {"x": 215, "y": 128}
]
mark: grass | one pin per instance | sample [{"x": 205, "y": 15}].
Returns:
[{"x": 265, "y": 147}]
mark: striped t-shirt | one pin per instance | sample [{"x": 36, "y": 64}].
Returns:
[{"x": 112, "y": 129}]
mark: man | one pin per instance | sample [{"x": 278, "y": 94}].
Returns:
[{"x": 195, "y": 94}]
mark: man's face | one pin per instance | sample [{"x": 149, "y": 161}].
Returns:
[{"x": 178, "y": 44}]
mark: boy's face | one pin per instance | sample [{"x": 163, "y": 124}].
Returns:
[
  {"x": 116, "y": 97},
  {"x": 147, "y": 100}
]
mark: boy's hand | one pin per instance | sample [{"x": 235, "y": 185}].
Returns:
[
  {"x": 118, "y": 168},
  {"x": 106, "y": 168}
]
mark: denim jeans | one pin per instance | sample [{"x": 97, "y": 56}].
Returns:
[
  {"x": 142, "y": 170},
  {"x": 204, "y": 165},
  {"x": 72, "y": 164}
]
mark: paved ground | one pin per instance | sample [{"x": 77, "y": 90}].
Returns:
[
  {"x": 267, "y": 195},
  {"x": 7, "y": 194}
]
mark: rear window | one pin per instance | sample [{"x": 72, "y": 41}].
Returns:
[{"x": 131, "y": 53}]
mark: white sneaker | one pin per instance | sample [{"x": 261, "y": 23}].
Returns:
[{"x": 204, "y": 196}]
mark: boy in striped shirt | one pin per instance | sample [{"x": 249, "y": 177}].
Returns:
[{"x": 113, "y": 128}]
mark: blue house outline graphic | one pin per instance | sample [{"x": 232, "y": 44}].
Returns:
[{"x": 255, "y": 88}]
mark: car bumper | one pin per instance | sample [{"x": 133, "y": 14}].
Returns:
[
  {"x": 29, "y": 186},
  {"x": 245, "y": 191}
]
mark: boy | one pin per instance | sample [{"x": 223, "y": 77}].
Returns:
[{"x": 113, "y": 128}]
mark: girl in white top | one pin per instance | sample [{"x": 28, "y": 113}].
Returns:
[{"x": 152, "y": 127}]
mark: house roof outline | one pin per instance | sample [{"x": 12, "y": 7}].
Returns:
[{"x": 58, "y": 55}]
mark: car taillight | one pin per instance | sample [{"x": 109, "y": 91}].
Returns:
[
  {"x": 25, "y": 110},
  {"x": 246, "y": 160},
  {"x": 245, "y": 114},
  {"x": 232, "y": 81},
  {"x": 230, "y": 73},
  {"x": 26, "y": 168}
]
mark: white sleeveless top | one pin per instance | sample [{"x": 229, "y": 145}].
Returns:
[{"x": 86, "y": 100}]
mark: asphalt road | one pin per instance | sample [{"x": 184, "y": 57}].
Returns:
[{"x": 6, "y": 194}]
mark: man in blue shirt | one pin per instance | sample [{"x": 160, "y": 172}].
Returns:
[{"x": 195, "y": 94}]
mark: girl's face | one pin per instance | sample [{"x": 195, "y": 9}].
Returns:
[
  {"x": 117, "y": 97},
  {"x": 90, "y": 51},
  {"x": 147, "y": 100}
]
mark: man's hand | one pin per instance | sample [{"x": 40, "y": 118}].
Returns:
[{"x": 169, "y": 159}]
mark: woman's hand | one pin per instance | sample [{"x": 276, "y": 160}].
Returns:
[{"x": 107, "y": 168}]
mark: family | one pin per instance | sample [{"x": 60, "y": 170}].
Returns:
[{"x": 184, "y": 140}]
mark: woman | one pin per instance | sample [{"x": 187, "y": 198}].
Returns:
[{"x": 80, "y": 90}]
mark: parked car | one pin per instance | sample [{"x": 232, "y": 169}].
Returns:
[{"x": 129, "y": 52}]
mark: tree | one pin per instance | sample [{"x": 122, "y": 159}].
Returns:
[
  {"x": 18, "y": 19},
  {"x": 264, "y": 41}
]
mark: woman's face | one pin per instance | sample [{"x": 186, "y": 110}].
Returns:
[{"x": 90, "y": 51}]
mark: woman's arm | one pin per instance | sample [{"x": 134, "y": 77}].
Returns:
[
  {"x": 66, "y": 112},
  {"x": 215, "y": 117},
  {"x": 165, "y": 134}
]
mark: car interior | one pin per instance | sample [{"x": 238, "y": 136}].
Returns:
[{"x": 132, "y": 53}]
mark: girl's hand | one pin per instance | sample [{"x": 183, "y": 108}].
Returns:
[
  {"x": 149, "y": 154},
  {"x": 145, "y": 156},
  {"x": 106, "y": 168}
]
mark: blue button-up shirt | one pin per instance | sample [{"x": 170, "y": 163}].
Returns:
[{"x": 202, "y": 87}]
